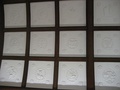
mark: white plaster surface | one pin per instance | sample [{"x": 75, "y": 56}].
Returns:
[
  {"x": 15, "y": 15},
  {"x": 14, "y": 43},
  {"x": 107, "y": 43},
  {"x": 73, "y": 13},
  {"x": 40, "y": 74},
  {"x": 42, "y": 43},
  {"x": 107, "y": 12},
  {"x": 107, "y": 74},
  {"x": 42, "y": 14},
  {"x": 72, "y": 75},
  {"x": 11, "y": 73},
  {"x": 72, "y": 44}
]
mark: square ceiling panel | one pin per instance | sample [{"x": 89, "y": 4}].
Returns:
[
  {"x": 107, "y": 43},
  {"x": 15, "y": 15},
  {"x": 11, "y": 73},
  {"x": 42, "y": 14},
  {"x": 14, "y": 44},
  {"x": 42, "y": 43},
  {"x": 40, "y": 74},
  {"x": 107, "y": 74},
  {"x": 73, "y": 13},
  {"x": 107, "y": 12},
  {"x": 72, "y": 75},
  {"x": 72, "y": 44}
]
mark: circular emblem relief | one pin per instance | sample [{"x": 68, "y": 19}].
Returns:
[
  {"x": 72, "y": 75},
  {"x": 42, "y": 43},
  {"x": 109, "y": 76},
  {"x": 73, "y": 43},
  {"x": 11, "y": 72},
  {"x": 107, "y": 43},
  {"x": 40, "y": 74}
]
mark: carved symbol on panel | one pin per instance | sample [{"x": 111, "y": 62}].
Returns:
[
  {"x": 98, "y": 35},
  {"x": 109, "y": 76},
  {"x": 118, "y": 84},
  {"x": 99, "y": 66},
  {"x": 106, "y": 10},
  {"x": 40, "y": 74},
  {"x": 12, "y": 72},
  {"x": 72, "y": 43},
  {"x": 13, "y": 42},
  {"x": 72, "y": 75},
  {"x": 81, "y": 83},
  {"x": 100, "y": 84},
  {"x": 72, "y": 9},
  {"x": 107, "y": 42},
  {"x": 42, "y": 43}
]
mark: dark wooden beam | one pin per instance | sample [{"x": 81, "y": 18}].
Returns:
[
  {"x": 28, "y": 19},
  {"x": 56, "y": 63},
  {"x": 90, "y": 46},
  {"x": 1, "y": 29}
]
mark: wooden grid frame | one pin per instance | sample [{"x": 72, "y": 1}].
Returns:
[{"x": 89, "y": 28}]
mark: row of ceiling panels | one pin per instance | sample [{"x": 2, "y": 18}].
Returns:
[
  {"x": 71, "y": 44},
  {"x": 72, "y": 75},
  {"x": 71, "y": 13}
]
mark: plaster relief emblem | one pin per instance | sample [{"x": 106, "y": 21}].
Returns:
[
  {"x": 81, "y": 83},
  {"x": 73, "y": 43},
  {"x": 63, "y": 82},
  {"x": 11, "y": 72},
  {"x": 19, "y": 65},
  {"x": 99, "y": 66},
  {"x": 64, "y": 66},
  {"x": 72, "y": 75},
  {"x": 40, "y": 74},
  {"x": 98, "y": 35},
  {"x": 118, "y": 84},
  {"x": 81, "y": 66},
  {"x": 117, "y": 67},
  {"x": 48, "y": 66},
  {"x": 81, "y": 50},
  {"x": 109, "y": 76},
  {"x": 64, "y": 50},
  {"x": 2, "y": 79},
  {"x": 47, "y": 81},
  {"x": 98, "y": 50},
  {"x": 106, "y": 10},
  {"x": 32, "y": 81},
  {"x": 42, "y": 43},
  {"x": 100, "y": 84},
  {"x": 107, "y": 42},
  {"x": 72, "y": 9}
]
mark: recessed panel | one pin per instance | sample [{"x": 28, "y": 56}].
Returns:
[
  {"x": 72, "y": 75},
  {"x": 73, "y": 13},
  {"x": 14, "y": 44},
  {"x": 106, "y": 12},
  {"x": 11, "y": 73},
  {"x": 43, "y": 14},
  {"x": 107, "y": 76},
  {"x": 15, "y": 15},
  {"x": 72, "y": 44},
  {"x": 42, "y": 43},
  {"x": 107, "y": 43},
  {"x": 40, "y": 74}
]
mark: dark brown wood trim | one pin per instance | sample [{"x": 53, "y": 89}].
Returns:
[
  {"x": 28, "y": 19},
  {"x": 1, "y": 29},
  {"x": 72, "y": 59},
  {"x": 106, "y": 59},
  {"x": 90, "y": 50},
  {"x": 56, "y": 63},
  {"x": 106, "y": 28}
]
